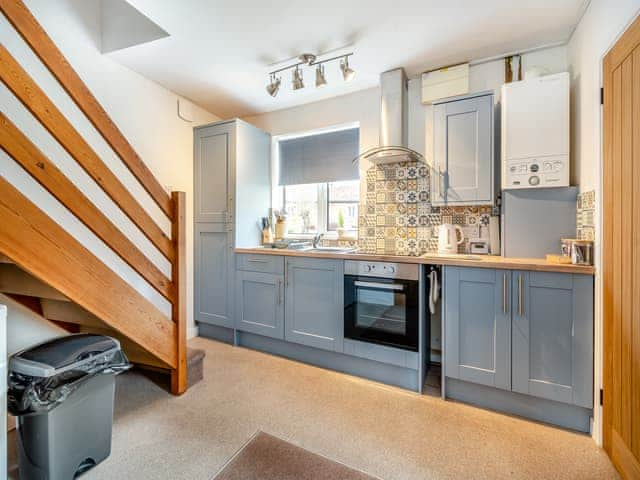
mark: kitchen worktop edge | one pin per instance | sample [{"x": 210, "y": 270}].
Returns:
[{"x": 486, "y": 261}]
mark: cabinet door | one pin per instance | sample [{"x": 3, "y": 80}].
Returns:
[
  {"x": 478, "y": 326},
  {"x": 214, "y": 272},
  {"x": 314, "y": 305},
  {"x": 260, "y": 303},
  {"x": 214, "y": 168},
  {"x": 463, "y": 152},
  {"x": 553, "y": 336}
]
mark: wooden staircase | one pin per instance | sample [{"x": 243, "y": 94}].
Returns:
[{"x": 46, "y": 268}]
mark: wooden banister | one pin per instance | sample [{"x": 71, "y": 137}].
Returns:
[
  {"x": 178, "y": 234},
  {"x": 23, "y": 151},
  {"x": 40, "y": 246},
  {"x": 37, "y": 102},
  {"x": 46, "y": 50}
]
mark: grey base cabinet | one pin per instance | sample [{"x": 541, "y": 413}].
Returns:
[
  {"x": 260, "y": 303},
  {"x": 314, "y": 305},
  {"x": 525, "y": 331},
  {"x": 214, "y": 273},
  {"x": 553, "y": 336},
  {"x": 478, "y": 327}
]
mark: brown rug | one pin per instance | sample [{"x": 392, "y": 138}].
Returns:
[{"x": 266, "y": 457}]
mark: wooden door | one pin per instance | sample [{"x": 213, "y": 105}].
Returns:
[
  {"x": 478, "y": 326},
  {"x": 314, "y": 302},
  {"x": 621, "y": 253},
  {"x": 552, "y": 336}
]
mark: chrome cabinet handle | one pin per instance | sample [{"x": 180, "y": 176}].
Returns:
[
  {"x": 278, "y": 300},
  {"x": 520, "y": 306},
  {"x": 442, "y": 183},
  {"x": 504, "y": 293},
  {"x": 256, "y": 260},
  {"x": 286, "y": 271}
]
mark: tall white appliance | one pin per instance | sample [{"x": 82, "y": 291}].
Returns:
[
  {"x": 3, "y": 389},
  {"x": 535, "y": 132}
]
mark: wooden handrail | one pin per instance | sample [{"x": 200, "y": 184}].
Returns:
[
  {"x": 47, "y": 51},
  {"x": 179, "y": 273},
  {"x": 40, "y": 246},
  {"x": 23, "y": 151},
  {"x": 37, "y": 102}
]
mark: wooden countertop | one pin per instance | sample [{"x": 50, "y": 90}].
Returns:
[{"x": 479, "y": 261}]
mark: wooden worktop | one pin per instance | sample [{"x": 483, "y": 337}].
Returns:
[{"x": 480, "y": 261}]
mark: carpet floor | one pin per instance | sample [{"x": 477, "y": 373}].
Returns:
[{"x": 383, "y": 431}]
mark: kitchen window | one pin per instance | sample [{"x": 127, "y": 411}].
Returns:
[{"x": 318, "y": 182}]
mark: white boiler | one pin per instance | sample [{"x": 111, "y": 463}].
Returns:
[{"x": 535, "y": 132}]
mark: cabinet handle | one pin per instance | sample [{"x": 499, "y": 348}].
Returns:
[
  {"x": 255, "y": 260},
  {"x": 504, "y": 293},
  {"x": 442, "y": 184},
  {"x": 278, "y": 300},
  {"x": 286, "y": 271},
  {"x": 520, "y": 306}
]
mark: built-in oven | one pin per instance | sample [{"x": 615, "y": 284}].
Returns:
[{"x": 381, "y": 303}]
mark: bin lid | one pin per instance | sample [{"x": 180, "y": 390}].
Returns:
[{"x": 62, "y": 354}]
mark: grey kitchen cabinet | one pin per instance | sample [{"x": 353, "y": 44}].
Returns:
[
  {"x": 477, "y": 326},
  {"x": 525, "y": 331},
  {"x": 214, "y": 273},
  {"x": 232, "y": 191},
  {"x": 464, "y": 162},
  {"x": 314, "y": 302},
  {"x": 260, "y": 303},
  {"x": 214, "y": 173},
  {"x": 553, "y": 336}
]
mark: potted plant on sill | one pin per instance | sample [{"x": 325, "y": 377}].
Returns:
[{"x": 340, "y": 228}]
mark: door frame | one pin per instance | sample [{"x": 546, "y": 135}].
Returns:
[{"x": 598, "y": 357}]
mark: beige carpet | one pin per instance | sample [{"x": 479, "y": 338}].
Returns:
[
  {"x": 266, "y": 457},
  {"x": 383, "y": 431}
]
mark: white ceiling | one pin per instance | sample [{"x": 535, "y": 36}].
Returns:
[{"x": 219, "y": 51}]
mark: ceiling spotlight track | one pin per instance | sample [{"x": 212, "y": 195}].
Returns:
[{"x": 309, "y": 60}]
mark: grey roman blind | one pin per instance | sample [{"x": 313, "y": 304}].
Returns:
[{"x": 326, "y": 157}]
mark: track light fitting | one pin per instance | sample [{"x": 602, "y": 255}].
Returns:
[{"x": 309, "y": 60}]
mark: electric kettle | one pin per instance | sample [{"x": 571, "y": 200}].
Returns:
[{"x": 448, "y": 238}]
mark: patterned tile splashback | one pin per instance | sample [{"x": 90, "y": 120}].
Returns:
[
  {"x": 586, "y": 215},
  {"x": 396, "y": 215}
]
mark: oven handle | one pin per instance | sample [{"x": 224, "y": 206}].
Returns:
[{"x": 384, "y": 286}]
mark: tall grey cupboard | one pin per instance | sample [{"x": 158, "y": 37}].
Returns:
[{"x": 232, "y": 190}]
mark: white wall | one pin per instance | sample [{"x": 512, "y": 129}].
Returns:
[
  {"x": 601, "y": 24},
  {"x": 145, "y": 112}
]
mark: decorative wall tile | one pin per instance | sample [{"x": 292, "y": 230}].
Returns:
[
  {"x": 585, "y": 220},
  {"x": 399, "y": 218}
]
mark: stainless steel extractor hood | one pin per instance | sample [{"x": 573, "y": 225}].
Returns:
[{"x": 393, "y": 122}]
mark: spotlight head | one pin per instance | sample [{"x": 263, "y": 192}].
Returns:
[
  {"x": 321, "y": 80},
  {"x": 347, "y": 72},
  {"x": 274, "y": 86}
]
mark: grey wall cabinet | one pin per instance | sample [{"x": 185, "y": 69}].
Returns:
[
  {"x": 524, "y": 331},
  {"x": 464, "y": 167},
  {"x": 478, "y": 327},
  {"x": 314, "y": 305},
  {"x": 214, "y": 173},
  {"x": 260, "y": 303},
  {"x": 231, "y": 192},
  {"x": 553, "y": 336},
  {"x": 214, "y": 273}
]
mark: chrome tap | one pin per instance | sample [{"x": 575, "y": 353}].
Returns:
[{"x": 316, "y": 239}]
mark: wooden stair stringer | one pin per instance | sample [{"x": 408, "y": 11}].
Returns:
[{"x": 38, "y": 245}]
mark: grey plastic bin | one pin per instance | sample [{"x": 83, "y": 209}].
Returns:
[{"x": 62, "y": 392}]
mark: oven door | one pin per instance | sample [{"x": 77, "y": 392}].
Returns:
[{"x": 381, "y": 310}]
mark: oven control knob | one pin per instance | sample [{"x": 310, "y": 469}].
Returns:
[
  {"x": 367, "y": 268},
  {"x": 392, "y": 269}
]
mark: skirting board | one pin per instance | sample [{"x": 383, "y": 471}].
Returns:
[
  {"x": 540, "y": 409},
  {"x": 390, "y": 374}
]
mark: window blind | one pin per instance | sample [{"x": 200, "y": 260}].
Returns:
[{"x": 326, "y": 157}]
